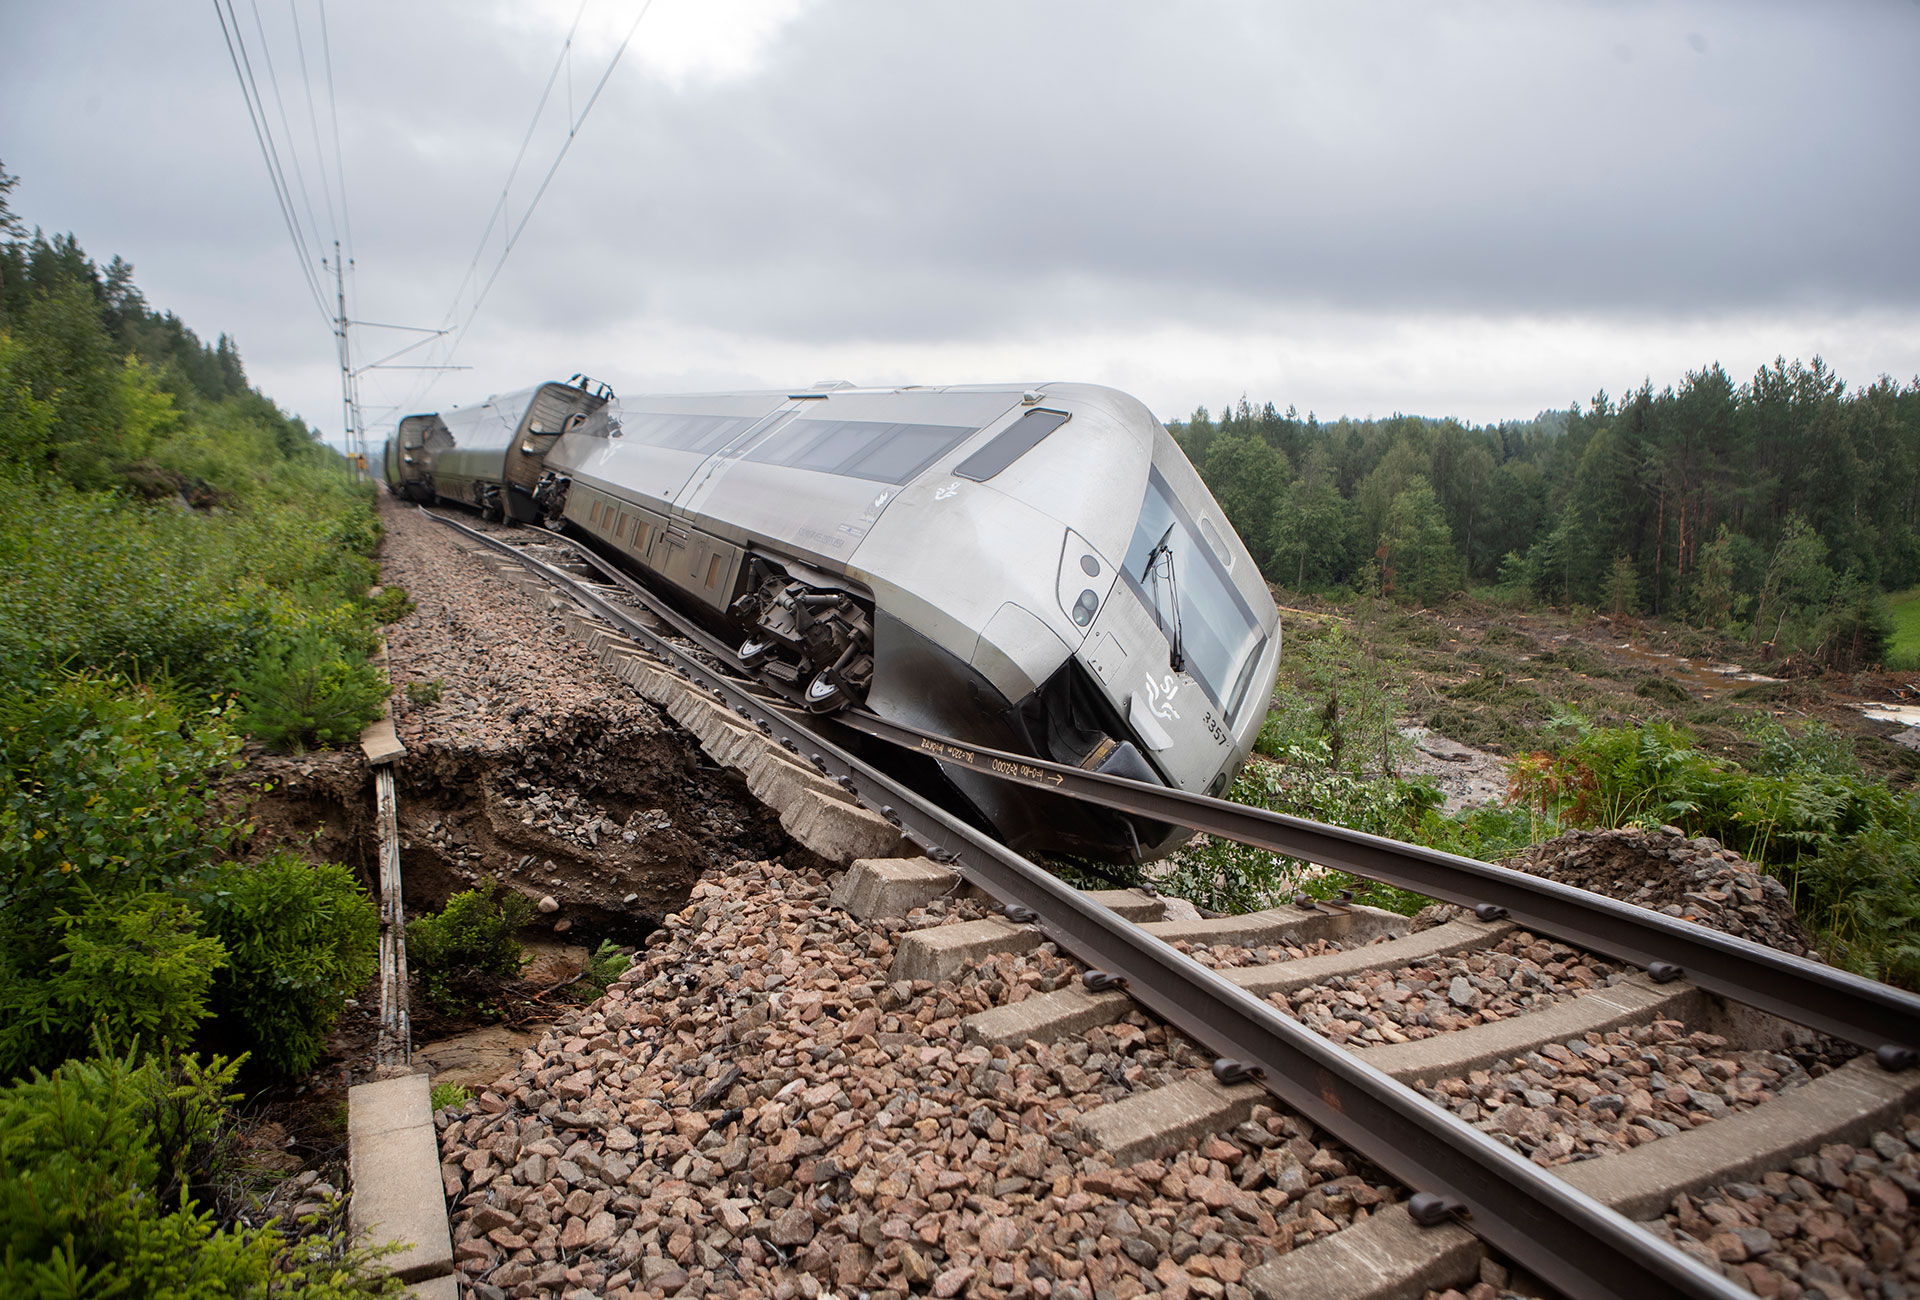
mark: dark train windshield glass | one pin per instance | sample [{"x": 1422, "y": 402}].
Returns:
[
  {"x": 1218, "y": 632},
  {"x": 869, "y": 449}
]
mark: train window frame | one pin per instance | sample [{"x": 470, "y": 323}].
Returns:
[{"x": 1010, "y": 444}]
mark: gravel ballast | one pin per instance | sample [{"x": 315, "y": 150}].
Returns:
[
  {"x": 1698, "y": 880},
  {"x": 1837, "y": 1223},
  {"x": 757, "y": 1107}
]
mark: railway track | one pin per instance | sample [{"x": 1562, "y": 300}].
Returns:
[{"x": 1572, "y": 1227}]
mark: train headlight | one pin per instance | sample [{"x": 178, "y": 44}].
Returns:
[{"x": 1084, "y": 581}]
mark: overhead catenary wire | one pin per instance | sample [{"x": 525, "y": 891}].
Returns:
[
  {"x": 573, "y": 132},
  {"x": 313, "y": 118},
  {"x": 249, "y": 90},
  {"x": 561, "y": 60},
  {"x": 335, "y": 223},
  {"x": 500, "y": 203},
  {"x": 333, "y": 114},
  {"x": 339, "y": 163},
  {"x": 286, "y": 127}
]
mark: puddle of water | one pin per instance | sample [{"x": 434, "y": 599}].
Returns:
[
  {"x": 1705, "y": 678},
  {"x": 1907, "y": 715}
]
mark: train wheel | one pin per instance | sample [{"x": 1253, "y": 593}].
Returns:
[
  {"x": 824, "y": 694},
  {"x": 753, "y": 652}
]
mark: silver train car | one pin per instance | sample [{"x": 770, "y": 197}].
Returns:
[
  {"x": 489, "y": 455},
  {"x": 1032, "y": 569}
]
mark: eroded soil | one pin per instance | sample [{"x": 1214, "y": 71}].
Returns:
[{"x": 527, "y": 763}]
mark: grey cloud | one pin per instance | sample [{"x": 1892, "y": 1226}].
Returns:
[{"x": 955, "y": 172}]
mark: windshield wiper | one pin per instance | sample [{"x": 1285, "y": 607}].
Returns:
[{"x": 1162, "y": 549}]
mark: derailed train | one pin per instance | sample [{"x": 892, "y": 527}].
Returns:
[{"x": 1031, "y": 569}]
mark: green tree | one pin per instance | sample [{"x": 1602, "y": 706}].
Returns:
[
  {"x": 1798, "y": 579},
  {"x": 1623, "y": 587},
  {"x": 1417, "y": 555},
  {"x": 1247, "y": 477},
  {"x": 1717, "y": 601},
  {"x": 1312, "y": 529}
]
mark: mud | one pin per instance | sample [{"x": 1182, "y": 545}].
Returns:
[
  {"x": 1468, "y": 777},
  {"x": 613, "y": 820}
]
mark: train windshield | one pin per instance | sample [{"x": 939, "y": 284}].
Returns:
[{"x": 1168, "y": 563}]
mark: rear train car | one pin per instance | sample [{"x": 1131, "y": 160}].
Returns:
[
  {"x": 407, "y": 460},
  {"x": 491, "y": 454}
]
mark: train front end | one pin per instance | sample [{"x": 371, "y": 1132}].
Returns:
[
  {"x": 1182, "y": 637},
  {"x": 1090, "y": 604}
]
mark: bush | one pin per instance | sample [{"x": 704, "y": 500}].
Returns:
[
  {"x": 1227, "y": 877},
  {"x": 605, "y": 966},
  {"x": 1663, "y": 690},
  {"x": 300, "y": 939},
  {"x": 391, "y": 605},
  {"x": 99, "y": 1163},
  {"x": 302, "y": 690},
  {"x": 133, "y": 967},
  {"x": 102, "y": 817},
  {"x": 101, "y": 782},
  {"x": 1841, "y": 843},
  {"x": 471, "y": 938},
  {"x": 1343, "y": 697}
]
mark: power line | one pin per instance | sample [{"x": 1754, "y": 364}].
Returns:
[
  {"x": 424, "y": 385},
  {"x": 573, "y": 131},
  {"x": 273, "y": 79},
  {"x": 339, "y": 158},
  {"x": 333, "y": 112},
  {"x": 236, "y": 52},
  {"x": 500, "y": 203},
  {"x": 350, "y": 375},
  {"x": 313, "y": 117}
]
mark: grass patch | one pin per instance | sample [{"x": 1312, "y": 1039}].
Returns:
[
  {"x": 1903, "y": 647},
  {"x": 1663, "y": 690}
]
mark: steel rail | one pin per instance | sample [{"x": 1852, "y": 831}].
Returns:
[
  {"x": 1865, "y": 1012},
  {"x": 1876, "y": 1016},
  {"x": 1569, "y": 1240}
]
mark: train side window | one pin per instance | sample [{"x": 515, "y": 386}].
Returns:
[
  {"x": 1010, "y": 444},
  {"x": 911, "y": 449},
  {"x": 702, "y": 434},
  {"x": 870, "y": 449}
]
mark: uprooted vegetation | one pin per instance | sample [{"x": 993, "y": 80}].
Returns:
[{"x": 1596, "y": 734}]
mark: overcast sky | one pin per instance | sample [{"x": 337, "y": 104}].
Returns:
[{"x": 1479, "y": 210}]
